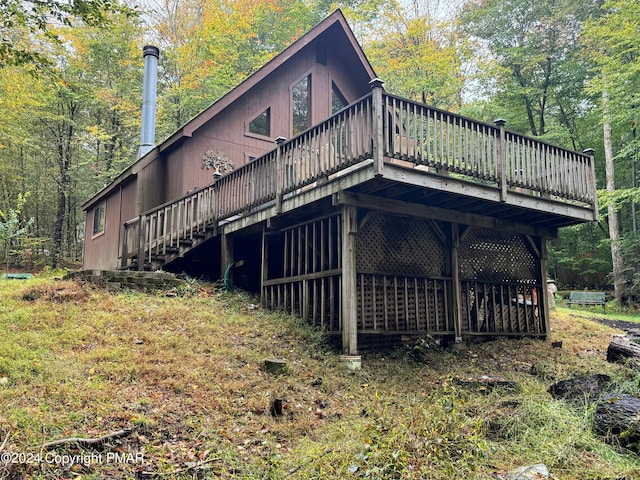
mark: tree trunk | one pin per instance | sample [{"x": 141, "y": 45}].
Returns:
[
  {"x": 616, "y": 418},
  {"x": 614, "y": 227},
  {"x": 622, "y": 348}
]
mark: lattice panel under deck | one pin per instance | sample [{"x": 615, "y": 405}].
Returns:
[
  {"x": 403, "y": 304},
  {"x": 501, "y": 309},
  {"x": 400, "y": 246},
  {"x": 493, "y": 256},
  {"x": 500, "y": 285}
]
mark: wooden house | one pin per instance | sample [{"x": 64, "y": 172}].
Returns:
[{"x": 369, "y": 215}]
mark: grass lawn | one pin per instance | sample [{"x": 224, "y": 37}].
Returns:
[{"x": 185, "y": 372}]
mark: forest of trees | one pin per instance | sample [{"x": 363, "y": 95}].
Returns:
[{"x": 567, "y": 71}]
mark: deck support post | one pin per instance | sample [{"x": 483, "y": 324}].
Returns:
[
  {"x": 264, "y": 266},
  {"x": 455, "y": 282},
  {"x": 377, "y": 88},
  {"x": 226, "y": 254},
  {"x": 349, "y": 292},
  {"x": 142, "y": 219},
  {"x": 543, "y": 298},
  {"x": 125, "y": 248},
  {"x": 279, "y": 173},
  {"x": 501, "y": 158}
]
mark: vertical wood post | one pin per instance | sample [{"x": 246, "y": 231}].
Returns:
[
  {"x": 142, "y": 220},
  {"x": 543, "y": 296},
  {"x": 455, "y": 282},
  {"x": 377, "y": 88},
  {"x": 264, "y": 267},
  {"x": 226, "y": 254},
  {"x": 349, "y": 292},
  {"x": 592, "y": 181},
  {"x": 501, "y": 158},
  {"x": 279, "y": 173},
  {"x": 125, "y": 247}
]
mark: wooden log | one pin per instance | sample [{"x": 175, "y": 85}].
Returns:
[
  {"x": 617, "y": 418},
  {"x": 622, "y": 348},
  {"x": 580, "y": 390}
]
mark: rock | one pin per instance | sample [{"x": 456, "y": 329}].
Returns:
[{"x": 531, "y": 472}]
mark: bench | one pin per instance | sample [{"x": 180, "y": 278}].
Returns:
[
  {"x": 16, "y": 276},
  {"x": 587, "y": 298}
]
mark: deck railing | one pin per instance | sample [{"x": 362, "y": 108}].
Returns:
[
  {"x": 452, "y": 144},
  {"x": 162, "y": 230},
  {"x": 400, "y": 131}
]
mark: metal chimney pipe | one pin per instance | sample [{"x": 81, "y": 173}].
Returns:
[{"x": 150, "y": 55}]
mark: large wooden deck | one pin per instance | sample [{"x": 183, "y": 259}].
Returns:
[
  {"x": 390, "y": 218},
  {"x": 388, "y": 153}
]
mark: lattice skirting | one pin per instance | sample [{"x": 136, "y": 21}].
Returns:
[
  {"x": 404, "y": 278},
  {"x": 395, "y": 304}
]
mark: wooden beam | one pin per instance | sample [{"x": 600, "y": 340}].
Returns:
[
  {"x": 407, "y": 209},
  {"x": 438, "y": 231},
  {"x": 264, "y": 267},
  {"x": 455, "y": 282},
  {"x": 226, "y": 254},
  {"x": 533, "y": 247},
  {"x": 349, "y": 292},
  {"x": 465, "y": 232},
  {"x": 544, "y": 294},
  {"x": 487, "y": 192}
]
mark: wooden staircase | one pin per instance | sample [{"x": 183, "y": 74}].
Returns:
[{"x": 169, "y": 231}]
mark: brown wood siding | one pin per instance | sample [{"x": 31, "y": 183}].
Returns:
[
  {"x": 226, "y": 132},
  {"x": 174, "y": 171},
  {"x": 101, "y": 251},
  {"x": 151, "y": 185}
]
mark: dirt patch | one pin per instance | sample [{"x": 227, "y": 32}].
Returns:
[
  {"x": 619, "y": 324},
  {"x": 60, "y": 291}
]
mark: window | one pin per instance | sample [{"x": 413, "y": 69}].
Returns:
[
  {"x": 338, "y": 102},
  {"x": 98, "y": 218},
  {"x": 261, "y": 125},
  {"x": 301, "y": 104}
]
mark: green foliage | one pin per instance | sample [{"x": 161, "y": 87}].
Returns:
[
  {"x": 418, "y": 55},
  {"x": 13, "y": 228},
  {"x": 580, "y": 258},
  {"x": 535, "y": 71},
  {"x": 37, "y": 17}
]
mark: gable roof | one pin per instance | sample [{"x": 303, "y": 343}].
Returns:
[{"x": 335, "y": 23}]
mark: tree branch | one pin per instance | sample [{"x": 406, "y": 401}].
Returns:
[
  {"x": 196, "y": 466},
  {"x": 4, "y": 443},
  {"x": 88, "y": 442}
]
